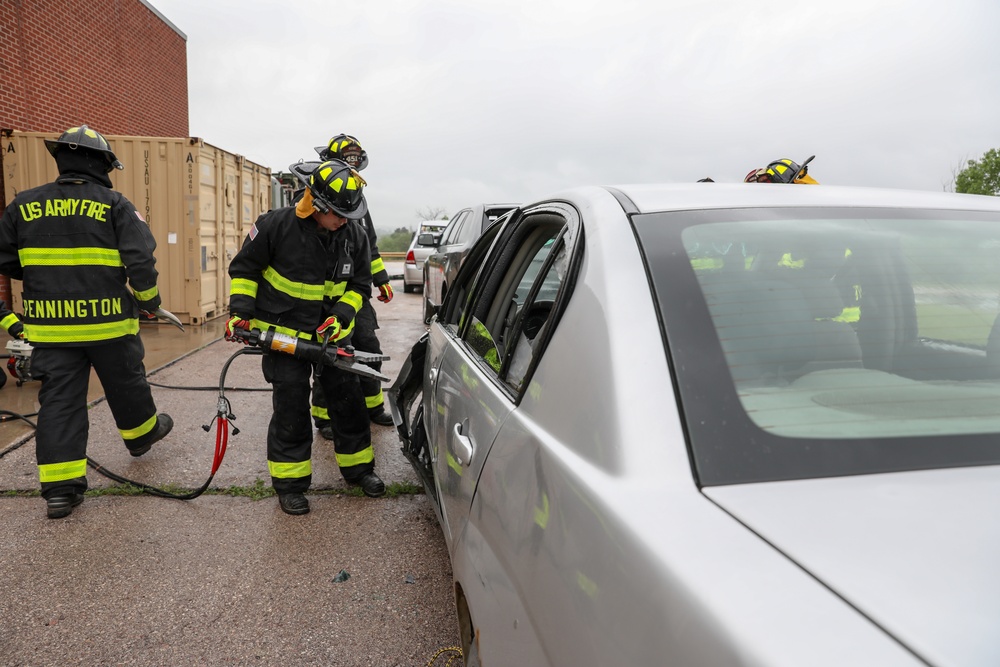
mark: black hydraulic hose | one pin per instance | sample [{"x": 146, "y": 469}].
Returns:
[
  {"x": 212, "y": 388},
  {"x": 11, "y": 416},
  {"x": 222, "y": 418}
]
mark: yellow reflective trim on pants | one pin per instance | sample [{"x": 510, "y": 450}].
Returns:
[
  {"x": 79, "y": 333},
  {"x": 366, "y": 455},
  {"x": 321, "y": 413},
  {"x": 69, "y": 257},
  {"x": 303, "y": 291},
  {"x": 374, "y": 401},
  {"x": 243, "y": 286},
  {"x": 60, "y": 472},
  {"x": 138, "y": 431},
  {"x": 353, "y": 299},
  {"x": 289, "y": 470},
  {"x": 147, "y": 294},
  {"x": 8, "y": 321}
]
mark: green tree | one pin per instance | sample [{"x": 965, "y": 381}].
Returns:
[
  {"x": 398, "y": 241},
  {"x": 981, "y": 177}
]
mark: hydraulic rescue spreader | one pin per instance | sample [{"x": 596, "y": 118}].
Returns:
[{"x": 346, "y": 358}]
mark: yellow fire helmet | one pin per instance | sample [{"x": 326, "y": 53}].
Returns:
[{"x": 787, "y": 171}]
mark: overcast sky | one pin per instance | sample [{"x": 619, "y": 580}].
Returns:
[{"x": 466, "y": 101}]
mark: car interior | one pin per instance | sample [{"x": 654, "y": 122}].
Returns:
[{"x": 833, "y": 321}]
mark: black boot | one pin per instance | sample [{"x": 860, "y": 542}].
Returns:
[
  {"x": 371, "y": 484},
  {"x": 380, "y": 416},
  {"x": 293, "y": 503},
  {"x": 326, "y": 431},
  {"x": 62, "y": 505},
  {"x": 163, "y": 426}
]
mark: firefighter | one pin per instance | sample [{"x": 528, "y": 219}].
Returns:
[
  {"x": 782, "y": 171},
  {"x": 302, "y": 271},
  {"x": 347, "y": 148},
  {"x": 79, "y": 246}
]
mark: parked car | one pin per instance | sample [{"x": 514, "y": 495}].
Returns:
[
  {"x": 719, "y": 424},
  {"x": 452, "y": 246},
  {"x": 421, "y": 246}
]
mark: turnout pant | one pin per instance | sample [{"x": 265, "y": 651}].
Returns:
[
  {"x": 63, "y": 425},
  {"x": 362, "y": 338},
  {"x": 290, "y": 434}
]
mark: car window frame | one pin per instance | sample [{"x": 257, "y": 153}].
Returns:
[
  {"x": 485, "y": 282},
  {"x": 454, "y": 230}
]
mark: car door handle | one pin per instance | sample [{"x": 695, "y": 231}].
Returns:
[{"x": 463, "y": 444}]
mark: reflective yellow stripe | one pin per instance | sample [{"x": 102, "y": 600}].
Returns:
[
  {"x": 147, "y": 294},
  {"x": 377, "y": 265},
  {"x": 142, "y": 429},
  {"x": 352, "y": 299},
  {"x": 60, "y": 472},
  {"x": 290, "y": 470},
  {"x": 366, "y": 455},
  {"x": 849, "y": 314},
  {"x": 706, "y": 263},
  {"x": 335, "y": 289},
  {"x": 786, "y": 260},
  {"x": 262, "y": 325},
  {"x": 320, "y": 413},
  {"x": 374, "y": 401},
  {"x": 453, "y": 463},
  {"x": 69, "y": 257},
  {"x": 542, "y": 513},
  {"x": 244, "y": 287},
  {"x": 303, "y": 291},
  {"x": 8, "y": 321},
  {"x": 79, "y": 333}
]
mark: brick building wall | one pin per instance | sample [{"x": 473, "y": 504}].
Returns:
[{"x": 116, "y": 65}]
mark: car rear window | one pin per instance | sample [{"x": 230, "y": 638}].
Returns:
[{"x": 827, "y": 342}]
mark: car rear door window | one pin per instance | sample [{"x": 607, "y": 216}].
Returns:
[{"x": 516, "y": 301}]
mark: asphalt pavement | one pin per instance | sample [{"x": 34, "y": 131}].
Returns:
[{"x": 226, "y": 578}]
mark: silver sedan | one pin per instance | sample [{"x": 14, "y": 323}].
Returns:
[{"x": 751, "y": 424}]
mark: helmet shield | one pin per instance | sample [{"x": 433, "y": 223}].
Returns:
[
  {"x": 335, "y": 186},
  {"x": 83, "y": 137}
]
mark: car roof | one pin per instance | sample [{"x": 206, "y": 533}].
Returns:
[{"x": 649, "y": 198}]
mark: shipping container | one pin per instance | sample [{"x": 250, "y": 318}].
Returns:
[{"x": 198, "y": 200}]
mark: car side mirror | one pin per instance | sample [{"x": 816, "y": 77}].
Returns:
[{"x": 427, "y": 239}]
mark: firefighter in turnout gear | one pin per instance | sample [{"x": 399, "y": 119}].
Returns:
[
  {"x": 347, "y": 148},
  {"x": 79, "y": 247},
  {"x": 302, "y": 271}
]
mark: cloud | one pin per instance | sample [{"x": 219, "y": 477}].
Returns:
[{"x": 464, "y": 101}]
